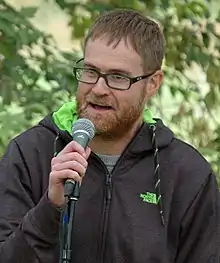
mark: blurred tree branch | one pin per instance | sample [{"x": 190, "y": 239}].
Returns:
[{"x": 36, "y": 77}]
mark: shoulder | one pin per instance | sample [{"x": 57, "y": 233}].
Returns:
[
  {"x": 189, "y": 158},
  {"x": 35, "y": 135},
  {"x": 35, "y": 141},
  {"x": 186, "y": 174},
  {"x": 184, "y": 165},
  {"x": 186, "y": 170}
]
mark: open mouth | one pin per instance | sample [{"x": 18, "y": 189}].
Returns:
[{"x": 100, "y": 107}]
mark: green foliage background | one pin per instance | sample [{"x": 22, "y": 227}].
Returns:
[{"x": 36, "y": 76}]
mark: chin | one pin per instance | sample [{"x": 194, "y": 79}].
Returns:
[
  {"x": 98, "y": 119},
  {"x": 103, "y": 125},
  {"x": 107, "y": 125}
]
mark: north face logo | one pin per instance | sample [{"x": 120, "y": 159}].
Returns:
[{"x": 150, "y": 198}]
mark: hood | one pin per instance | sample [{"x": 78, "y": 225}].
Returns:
[
  {"x": 152, "y": 136},
  {"x": 61, "y": 121},
  {"x": 66, "y": 116}
]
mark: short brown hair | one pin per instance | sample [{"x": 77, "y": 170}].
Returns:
[{"x": 143, "y": 33}]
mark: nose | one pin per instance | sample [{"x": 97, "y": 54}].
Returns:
[{"x": 101, "y": 88}]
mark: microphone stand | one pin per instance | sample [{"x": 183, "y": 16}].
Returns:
[{"x": 72, "y": 192}]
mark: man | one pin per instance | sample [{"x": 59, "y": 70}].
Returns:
[{"x": 145, "y": 196}]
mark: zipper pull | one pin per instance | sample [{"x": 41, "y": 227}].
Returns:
[{"x": 109, "y": 185}]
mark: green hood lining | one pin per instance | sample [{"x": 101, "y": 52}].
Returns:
[{"x": 66, "y": 116}]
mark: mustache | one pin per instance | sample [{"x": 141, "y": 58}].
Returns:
[{"x": 100, "y": 101}]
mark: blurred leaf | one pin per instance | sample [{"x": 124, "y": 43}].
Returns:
[{"x": 28, "y": 12}]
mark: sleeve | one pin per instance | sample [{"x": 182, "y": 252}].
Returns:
[
  {"x": 200, "y": 228},
  {"x": 28, "y": 231}
]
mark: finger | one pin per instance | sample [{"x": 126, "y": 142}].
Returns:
[
  {"x": 58, "y": 177},
  {"x": 73, "y": 146},
  {"x": 71, "y": 165},
  {"x": 73, "y": 156},
  {"x": 87, "y": 152}
]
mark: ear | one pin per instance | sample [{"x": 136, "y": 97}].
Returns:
[{"x": 154, "y": 83}]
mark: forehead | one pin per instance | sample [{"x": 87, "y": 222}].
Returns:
[{"x": 105, "y": 57}]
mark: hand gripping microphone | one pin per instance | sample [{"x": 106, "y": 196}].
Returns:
[{"x": 83, "y": 130}]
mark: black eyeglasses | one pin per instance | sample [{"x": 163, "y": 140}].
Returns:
[{"x": 113, "y": 81}]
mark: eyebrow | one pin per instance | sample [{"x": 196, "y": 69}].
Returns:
[{"x": 113, "y": 70}]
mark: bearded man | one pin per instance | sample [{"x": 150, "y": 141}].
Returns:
[{"x": 145, "y": 195}]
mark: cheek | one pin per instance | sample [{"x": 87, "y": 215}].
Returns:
[
  {"x": 82, "y": 91},
  {"x": 132, "y": 101},
  {"x": 127, "y": 100}
]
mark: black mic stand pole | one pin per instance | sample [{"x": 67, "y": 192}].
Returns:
[{"x": 72, "y": 191}]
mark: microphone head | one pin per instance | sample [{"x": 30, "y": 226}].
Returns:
[{"x": 85, "y": 125}]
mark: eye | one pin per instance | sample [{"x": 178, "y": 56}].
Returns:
[
  {"x": 118, "y": 78},
  {"x": 89, "y": 73}
]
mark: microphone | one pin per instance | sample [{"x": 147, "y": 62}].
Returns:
[{"x": 83, "y": 131}]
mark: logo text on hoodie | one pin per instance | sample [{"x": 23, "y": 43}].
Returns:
[{"x": 150, "y": 198}]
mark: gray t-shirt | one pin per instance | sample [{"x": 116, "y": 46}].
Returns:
[{"x": 109, "y": 160}]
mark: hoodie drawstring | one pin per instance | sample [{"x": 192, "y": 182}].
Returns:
[
  {"x": 55, "y": 146},
  {"x": 157, "y": 183}
]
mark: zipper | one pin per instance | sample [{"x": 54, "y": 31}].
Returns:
[
  {"x": 107, "y": 202},
  {"x": 106, "y": 208},
  {"x": 108, "y": 196}
]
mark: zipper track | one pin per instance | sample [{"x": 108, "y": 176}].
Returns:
[
  {"x": 108, "y": 197},
  {"x": 105, "y": 216}
]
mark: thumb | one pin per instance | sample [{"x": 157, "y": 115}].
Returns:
[{"x": 87, "y": 152}]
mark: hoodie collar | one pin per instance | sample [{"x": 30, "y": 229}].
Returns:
[
  {"x": 61, "y": 121},
  {"x": 143, "y": 139},
  {"x": 67, "y": 115}
]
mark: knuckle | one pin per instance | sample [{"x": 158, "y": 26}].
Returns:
[
  {"x": 74, "y": 175},
  {"x": 74, "y": 145},
  {"x": 55, "y": 167},
  {"x": 53, "y": 161},
  {"x": 53, "y": 176},
  {"x": 83, "y": 171},
  {"x": 74, "y": 164},
  {"x": 73, "y": 155},
  {"x": 76, "y": 156}
]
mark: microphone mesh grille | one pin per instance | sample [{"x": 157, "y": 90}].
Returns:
[{"x": 86, "y": 125}]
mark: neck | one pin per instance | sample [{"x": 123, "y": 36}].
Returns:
[{"x": 102, "y": 144}]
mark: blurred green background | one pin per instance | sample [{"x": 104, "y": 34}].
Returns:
[{"x": 41, "y": 40}]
